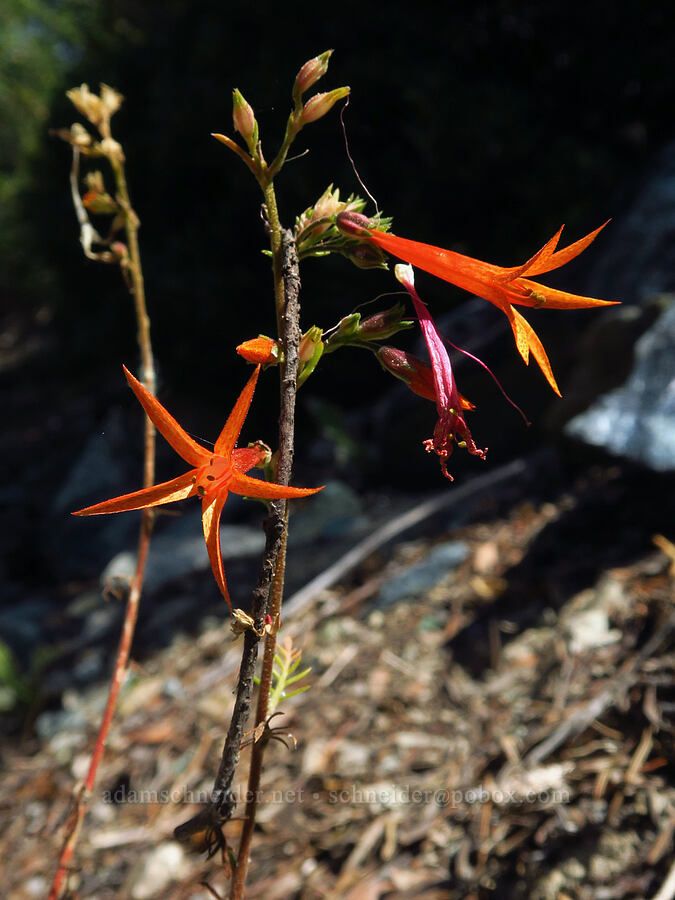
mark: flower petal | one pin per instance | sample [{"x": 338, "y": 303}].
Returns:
[
  {"x": 235, "y": 421},
  {"x": 176, "y": 489},
  {"x": 561, "y": 257},
  {"x": 543, "y": 297},
  {"x": 462, "y": 271},
  {"x": 267, "y": 490},
  {"x": 244, "y": 458},
  {"x": 180, "y": 440},
  {"x": 212, "y": 507},
  {"x": 523, "y": 329},
  {"x": 540, "y": 257}
]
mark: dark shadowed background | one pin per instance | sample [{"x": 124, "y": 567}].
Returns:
[{"x": 481, "y": 128}]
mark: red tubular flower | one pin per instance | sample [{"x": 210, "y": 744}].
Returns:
[
  {"x": 502, "y": 286},
  {"x": 412, "y": 371},
  {"x": 214, "y": 474},
  {"x": 450, "y": 404}
]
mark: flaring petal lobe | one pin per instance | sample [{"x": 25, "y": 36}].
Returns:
[
  {"x": 267, "y": 490},
  {"x": 176, "y": 489},
  {"x": 562, "y": 257},
  {"x": 235, "y": 421},
  {"x": 212, "y": 508},
  {"x": 180, "y": 440}
]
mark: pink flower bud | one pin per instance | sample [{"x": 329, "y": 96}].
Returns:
[
  {"x": 120, "y": 250},
  {"x": 353, "y": 224},
  {"x": 416, "y": 374},
  {"x": 243, "y": 118},
  {"x": 318, "y": 105},
  {"x": 384, "y": 324},
  {"x": 310, "y": 73}
]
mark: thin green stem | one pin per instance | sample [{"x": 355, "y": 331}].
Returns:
[{"x": 292, "y": 130}]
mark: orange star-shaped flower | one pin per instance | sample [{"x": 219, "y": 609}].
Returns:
[
  {"x": 215, "y": 472},
  {"x": 502, "y": 286}
]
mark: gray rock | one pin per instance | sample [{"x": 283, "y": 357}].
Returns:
[
  {"x": 639, "y": 259},
  {"x": 53, "y": 722},
  {"x": 335, "y": 512},
  {"x": 425, "y": 574},
  {"x": 637, "y": 420},
  {"x": 153, "y": 875},
  {"x": 96, "y": 473},
  {"x": 179, "y": 550}
]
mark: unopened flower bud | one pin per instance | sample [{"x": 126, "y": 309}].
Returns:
[
  {"x": 100, "y": 203},
  {"x": 87, "y": 103},
  {"x": 309, "y": 342},
  {"x": 244, "y": 118},
  {"x": 365, "y": 256},
  {"x": 353, "y": 224},
  {"x": 416, "y": 374},
  {"x": 112, "y": 149},
  {"x": 310, "y": 73},
  {"x": 309, "y": 353},
  {"x": 121, "y": 251},
  {"x": 318, "y": 105},
  {"x": 260, "y": 350},
  {"x": 111, "y": 99},
  {"x": 79, "y": 136},
  {"x": 384, "y": 324}
]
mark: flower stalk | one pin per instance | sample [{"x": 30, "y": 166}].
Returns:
[{"x": 133, "y": 272}]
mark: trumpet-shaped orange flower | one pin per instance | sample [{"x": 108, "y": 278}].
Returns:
[
  {"x": 505, "y": 287},
  {"x": 214, "y": 474}
]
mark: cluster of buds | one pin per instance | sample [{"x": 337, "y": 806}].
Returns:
[
  {"x": 319, "y": 230},
  {"x": 320, "y": 104},
  {"x": 317, "y": 222},
  {"x": 98, "y": 109},
  {"x": 302, "y": 114}
]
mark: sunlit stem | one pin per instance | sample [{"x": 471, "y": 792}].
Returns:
[
  {"x": 59, "y": 883},
  {"x": 289, "y": 331}
]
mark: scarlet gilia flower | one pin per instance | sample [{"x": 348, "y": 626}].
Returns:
[
  {"x": 505, "y": 287},
  {"x": 451, "y": 426},
  {"x": 214, "y": 474}
]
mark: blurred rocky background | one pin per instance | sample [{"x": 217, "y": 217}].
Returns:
[{"x": 481, "y": 128}]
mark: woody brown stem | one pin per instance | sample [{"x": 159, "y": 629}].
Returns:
[
  {"x": 223, "y": 802},
  {"x": 289, "y": 335}
]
